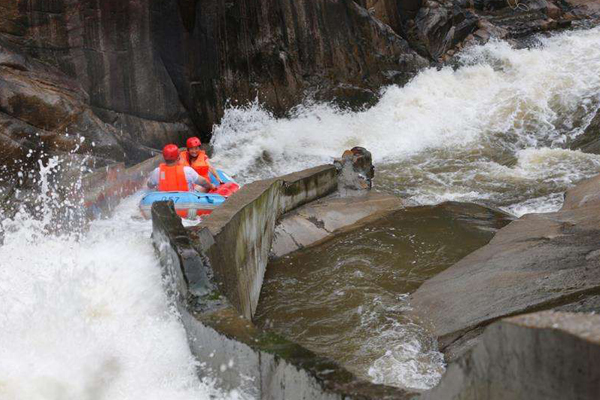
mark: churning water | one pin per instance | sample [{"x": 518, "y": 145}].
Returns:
[
  {"x": 85, "y": 317},
  {"x": 495, "y": 130},
  {"x": 83, "y": 314}
]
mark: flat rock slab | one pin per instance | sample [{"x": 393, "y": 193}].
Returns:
[
  {"x": 539, "y": 262},
  {"x": 322, "y": 219},
  {"x": 545, "y": 356}
]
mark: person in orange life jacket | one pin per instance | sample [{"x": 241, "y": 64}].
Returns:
[
  {"x": 197, "y": 159},
  {"x": 171, "y": 177}
]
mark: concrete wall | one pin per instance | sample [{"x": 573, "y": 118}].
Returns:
[
  {"x": 233, "y": 350},
  {"x": 242, "y": 230},
  {"x": 546, "y": 356}
]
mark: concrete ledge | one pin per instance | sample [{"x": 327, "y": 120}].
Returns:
[
  {"x": 243, "y": 229},
  {"x": 321, "y": 220},
  {"x": 236, "y": 352},
  {"x": 545, "y": 356}
]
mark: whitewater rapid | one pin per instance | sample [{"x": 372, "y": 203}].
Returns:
[
  {"x": 495, "y": 129},
  {"x": 84, "y": 316}
]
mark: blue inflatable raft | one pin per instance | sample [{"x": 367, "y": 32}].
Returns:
[{"x": 190, "y": 205}]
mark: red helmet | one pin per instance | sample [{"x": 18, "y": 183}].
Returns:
[
  {"x": 171, "y": 152},
  {"x": 193, "y": 142}
]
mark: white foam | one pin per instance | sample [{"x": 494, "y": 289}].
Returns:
[
  {"x": 502, "y": 98},
  {"x": 88, "y": 318}
]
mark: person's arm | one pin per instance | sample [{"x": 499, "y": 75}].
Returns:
[
  {"x": 214, "y": 171},
  {"x": 198, "y": 180}
]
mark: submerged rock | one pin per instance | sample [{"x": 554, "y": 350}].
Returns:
[
  {"x": 539, "y": 262},
  {"x": 589, "y": 140}
]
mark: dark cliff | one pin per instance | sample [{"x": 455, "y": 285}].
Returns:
[{"x": 129, "y": 75}]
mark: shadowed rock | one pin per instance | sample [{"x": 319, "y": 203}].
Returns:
[{"x": 589, "y": 140}]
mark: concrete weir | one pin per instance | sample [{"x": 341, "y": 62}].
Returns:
[{"x": 215, "y": 274}]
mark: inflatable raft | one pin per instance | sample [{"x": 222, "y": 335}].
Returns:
[{"x": 190, "y": 205}]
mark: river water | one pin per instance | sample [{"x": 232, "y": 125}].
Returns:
[
  {"x": 496, "y": 130},
  {"x": 83, "y": 315}
]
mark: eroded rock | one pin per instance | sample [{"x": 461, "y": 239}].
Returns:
[
  {"x": 539, "y": 262},
  {"x": 545, "y": 356},
  {"x": 355, "y": 172}
]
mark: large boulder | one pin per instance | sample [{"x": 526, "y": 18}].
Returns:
[
  {"x": 545, "y": 356},
  {"x": 540, "y": 261}
]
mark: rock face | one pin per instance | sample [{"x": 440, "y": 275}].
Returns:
[
  {"x": 545, "y": 356},
  {"x": 132, "y": 74},
  {"x": 539, "y": 262},
  {"x": 279, "y": 50}
]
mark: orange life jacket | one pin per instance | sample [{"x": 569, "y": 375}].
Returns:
[
  {"x": 200, "y": 164},
  {"x": 172, "y": 179}
]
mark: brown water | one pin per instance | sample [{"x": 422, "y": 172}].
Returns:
[{"x": 347, "y": 298}]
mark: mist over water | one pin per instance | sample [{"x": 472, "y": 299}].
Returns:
[
  {"x": 83, "y": 314},
  {"x": 496, "y": 129}
]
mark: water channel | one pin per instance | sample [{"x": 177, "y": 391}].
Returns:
[{"x": 497, "y": 130}]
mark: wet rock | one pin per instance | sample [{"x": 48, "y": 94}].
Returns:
[
  {"x": 161, "y": 71},
  {"x": 439, "y": 29},
  {"x": 140, "y": 74},
  {"x": 547, "y": 355},
  {"x": 393, "y": 12},
  {"x": 538, "y": 262},
  {"x": 264, "y": 49},
  {"x": 589, "y": 140},
  {"x": 355, "y": 172}
]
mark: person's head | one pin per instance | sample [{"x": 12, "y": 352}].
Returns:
[
  {"x": 193, "y": 146},
  {"x": 171, "y": 153}
]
